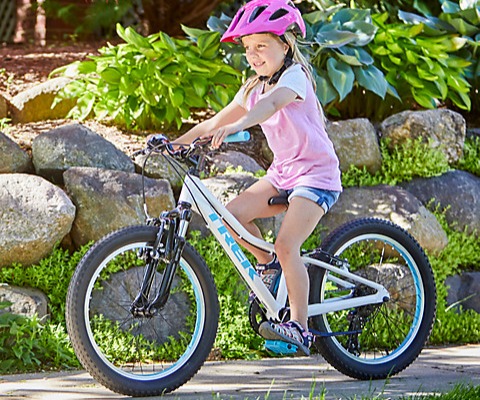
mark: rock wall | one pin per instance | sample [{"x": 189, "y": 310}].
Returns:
[{"x": 76, "y": 186}]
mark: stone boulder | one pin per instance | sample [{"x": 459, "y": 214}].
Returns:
[
  {"x": 55, "y": 151},
  {"x": 356, "y": 143},
  {"x": 158, "y": 167},
  {"x": 443, "y": 129},
  {"x": 234, "y": 159},
  {"x": 35, "y": 103},
  {"x": 12, "y": 157},
  {"x": 108, "y": 200},
  {"x": 35, "y": 216},
  {"x": 24, "y": 301},
  {"x": 390, "y": 203},
  {"x": 459, "y": 191},
  {"x": 464, "y": 291}
]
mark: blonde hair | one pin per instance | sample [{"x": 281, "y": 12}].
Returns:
[{"x": 298, "y": 58}]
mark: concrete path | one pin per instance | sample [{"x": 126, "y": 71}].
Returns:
[{"x": 436, "y": 370}]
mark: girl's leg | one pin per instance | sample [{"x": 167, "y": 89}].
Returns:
[
  {"x": 300, "y": 220},
  {"x": 250, "y": 205}
]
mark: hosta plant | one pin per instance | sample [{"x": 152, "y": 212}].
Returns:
[
  {"x": 420, "y": 61},
  {"x": 151, "y": 82}
]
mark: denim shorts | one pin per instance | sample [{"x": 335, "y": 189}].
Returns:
[{"x": 323, "y": 197}]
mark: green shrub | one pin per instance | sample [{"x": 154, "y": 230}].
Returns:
[
  {"x": 151, "y": 82},
  {"x": 461, "y": 253},
  {"x": 51, "y": 275},
  {"x": 414, "y": 158},
  {"x": 470, "y": 160},
  {"x": 26, "y": 345},
  {"x": 421, "y": 64}
]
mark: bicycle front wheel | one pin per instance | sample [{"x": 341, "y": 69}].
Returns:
[
  {"x": 129, "y": 353},
  {"x": 376, "y": 340}
]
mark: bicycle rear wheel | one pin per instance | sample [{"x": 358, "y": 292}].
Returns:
[
  {"x": 132, "y": 354},
  {"x": 378, "y": 340}
]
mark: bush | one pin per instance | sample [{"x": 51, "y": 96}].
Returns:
[{"x": 151, "y": 82}]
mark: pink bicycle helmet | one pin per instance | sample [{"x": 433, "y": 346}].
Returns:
[{"x": 262, "y": 16}]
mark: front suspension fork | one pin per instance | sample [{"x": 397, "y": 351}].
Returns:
[{"x": 167, "y": 249}]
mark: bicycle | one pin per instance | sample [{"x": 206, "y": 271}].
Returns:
[{"x": 146, "y": 290}]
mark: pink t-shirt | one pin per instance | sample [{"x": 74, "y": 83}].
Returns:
[{"x": 303, "y": 152}]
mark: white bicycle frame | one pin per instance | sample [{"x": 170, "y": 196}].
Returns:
[{"x": 215, "y": 214}]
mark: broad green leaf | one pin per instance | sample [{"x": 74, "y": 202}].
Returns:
[
  {"x": 334, "y": 39},
  {"x": 426, "y": 74},
  {"x": 176, "y": 97},
  {"x": 193, "y": 33},
  {"x": 351, "y": 14},
  {"x": 442, "y": 88},
  {"x": 351, "y": 60},
  {"x": 135, "y": 39},
  {"x": 168, "y": 41},
  {"x": 458, "y": 83},
  {"x": 200, "y": 85},
  {"x": 412, "y": 80},
  {"x": 365, "y": 32},
  {"x": 423, "y": 99},
  {"x": 457, "y": 62},
  {"x": 85, "y": 105},
  {"x": 372, "y": 79},
  {"x": 325, "y": 91},
  {"x": 209, "y": 44},
  {"x": 357, "y": 52},
  {"x": 449, "y": 7},
  {"x": 342, "y": 77},
  {"x": 461, "y": 100},
  {"x": 111, "y": 75}
]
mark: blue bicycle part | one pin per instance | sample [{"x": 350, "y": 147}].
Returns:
[
  {"x": 241, "y": 136},
  {"x": 280, "y": 348}
]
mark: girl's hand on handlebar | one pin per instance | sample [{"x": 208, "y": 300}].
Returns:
[{"x": 220, "y": 134}]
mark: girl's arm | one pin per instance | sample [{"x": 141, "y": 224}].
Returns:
[
  {"x": 231, "y": 113},
  {"x": 262, "y": 110}
]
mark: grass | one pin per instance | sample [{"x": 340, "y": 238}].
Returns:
[{"x": 459, "y": 392}]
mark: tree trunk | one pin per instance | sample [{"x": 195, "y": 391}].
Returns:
[{"x": 167, "y": 15}]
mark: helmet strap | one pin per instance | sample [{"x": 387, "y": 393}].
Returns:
[{"x": 287, "y": 62}]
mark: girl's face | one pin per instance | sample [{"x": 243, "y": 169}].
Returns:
[{"x": 265, "y": 53}]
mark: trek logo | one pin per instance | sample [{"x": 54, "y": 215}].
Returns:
[{"x": 233, "y": 245}]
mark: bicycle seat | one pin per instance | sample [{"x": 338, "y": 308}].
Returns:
[{"x": 281, "y": 199}]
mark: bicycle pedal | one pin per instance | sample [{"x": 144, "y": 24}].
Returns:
[{"x": 280, "y": 348}]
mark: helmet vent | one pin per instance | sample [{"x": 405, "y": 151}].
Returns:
[
  {"x": 278, "y": 14},
  {"x": 256, "y": 13}
]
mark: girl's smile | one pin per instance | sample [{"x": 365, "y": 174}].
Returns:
[{"x": 265, "y": 53}]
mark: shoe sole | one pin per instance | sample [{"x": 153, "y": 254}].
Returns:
[{"x": 267, "y": 332}]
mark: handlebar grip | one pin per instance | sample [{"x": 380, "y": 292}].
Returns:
[{"x": 242, "y": 136}]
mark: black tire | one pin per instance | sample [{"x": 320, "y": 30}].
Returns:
[
  {"x": 392, "y": 334},
  {"x": 140, "y": 356}
]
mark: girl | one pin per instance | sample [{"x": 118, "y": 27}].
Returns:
[{"x": 281, "y": 98}]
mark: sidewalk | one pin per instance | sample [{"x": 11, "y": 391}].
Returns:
[{"x": 436, "y": 370}]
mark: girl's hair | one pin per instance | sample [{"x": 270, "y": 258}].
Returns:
[{"x": 298, "y": 58}]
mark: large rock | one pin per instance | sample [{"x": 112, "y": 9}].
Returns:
[
  {"x": 108, "y": 200},
  {"x": 390, "y": 203},
  {"x": 443, "y": 129},
  {"x": 34, "y": 216},
  {"x": 356, "y": 143},
  {"x": 234, "y": 159},
  {"x": 75, "y": 145},
  {"x": 464, "y": 291},
  {"x": 159, "y": 167},
  {"x": 24, "y": 301},
  {"x": 35, "y": 104},
  {"x": 458, "y": 191},
  {"x": 12, "y": 157}
]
